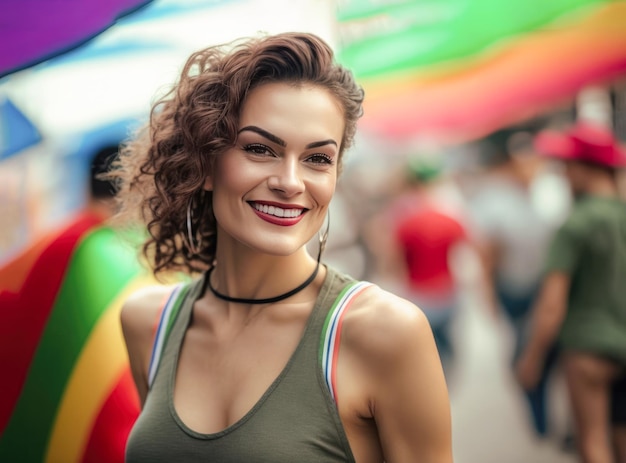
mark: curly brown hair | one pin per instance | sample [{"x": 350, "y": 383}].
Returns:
[{"x": 161, "y": 170}]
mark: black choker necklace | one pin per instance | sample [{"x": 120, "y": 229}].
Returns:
[{"x": 268, "y": 300}]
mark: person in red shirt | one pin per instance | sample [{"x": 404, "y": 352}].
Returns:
[
  {"x": 427, "y": 237},
  {"x": 418, "y": 253}
]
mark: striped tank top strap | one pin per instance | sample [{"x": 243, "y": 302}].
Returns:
[
  {"x": 331, "y": 333},
  {"x": 166, "y": 321}
]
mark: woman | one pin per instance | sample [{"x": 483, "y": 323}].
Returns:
[{"x": 234, "y": 175}]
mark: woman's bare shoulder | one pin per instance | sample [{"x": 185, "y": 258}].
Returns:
[
  {"x": 392, "y": 353},
  {"x": 382, "y": 325},
  {"x": 141, "y": 309}
]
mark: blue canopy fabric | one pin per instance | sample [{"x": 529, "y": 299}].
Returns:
[{"x": 17, "y": 132}]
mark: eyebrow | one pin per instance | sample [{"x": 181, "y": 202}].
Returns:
[{"x": 280, "y": 141}]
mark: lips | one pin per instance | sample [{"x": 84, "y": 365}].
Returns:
[{"x": 283, "y": 214}]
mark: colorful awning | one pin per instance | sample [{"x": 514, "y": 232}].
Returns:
[{"x": 448, "y": 70}]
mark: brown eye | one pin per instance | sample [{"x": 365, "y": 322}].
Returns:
[
  {"x": 258, "y": 149},
  {"x": 320, "y": 158}
]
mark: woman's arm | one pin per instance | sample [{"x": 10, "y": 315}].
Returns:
[
  {"x": 407, "y": 391},
  {"x": 139, "y": 317}
]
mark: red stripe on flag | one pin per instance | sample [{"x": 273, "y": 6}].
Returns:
[
  {"x": 14, "y": 272},
  {"x": 107, "y": 441},
  {"x": 23, "y": 316}
]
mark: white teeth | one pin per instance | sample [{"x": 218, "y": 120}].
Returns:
[{"x": 277, "y": 211}]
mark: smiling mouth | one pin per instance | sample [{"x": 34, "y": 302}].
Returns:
[{"x": 278, "y": 211}]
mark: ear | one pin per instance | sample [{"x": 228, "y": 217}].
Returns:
[{"x": 208, "y": 183}]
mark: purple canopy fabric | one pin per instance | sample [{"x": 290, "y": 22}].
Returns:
[{"x": 32, "y": 31}]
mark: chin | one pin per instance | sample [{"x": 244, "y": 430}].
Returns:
[{"x": 281, "y": 249}]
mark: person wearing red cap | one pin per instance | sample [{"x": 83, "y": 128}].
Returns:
[{"x": 582, "y": 302}]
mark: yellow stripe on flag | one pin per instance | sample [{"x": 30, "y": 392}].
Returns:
[{"x": 100, "y": 364}]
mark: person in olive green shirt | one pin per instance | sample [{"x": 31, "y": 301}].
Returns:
[{"x": 582, "y": 303}]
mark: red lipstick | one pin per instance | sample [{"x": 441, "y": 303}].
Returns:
[{"x": 275, "y": 219}]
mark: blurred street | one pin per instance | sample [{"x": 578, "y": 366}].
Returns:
[{"x": 488, "y": 417}]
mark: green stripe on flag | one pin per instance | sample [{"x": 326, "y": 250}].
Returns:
[
  {"x": 378, "y": 39},
  {"x": 101, "y": 266}
]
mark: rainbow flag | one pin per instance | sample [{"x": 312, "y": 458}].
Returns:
[
  {"x": 67, "y": 394},
  {"x": 450, "y": 70}
]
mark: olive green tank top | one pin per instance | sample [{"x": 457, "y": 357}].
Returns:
[{"x": 296, "y": 419}]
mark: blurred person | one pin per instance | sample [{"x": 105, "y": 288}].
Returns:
[
  {"x": 511, "y": 237},
  {"x": 415, "y": 240},
  {"x": 582, "y": 301},
  {"x": 67, "y": 392},
  {"x": 367, "y": 182},
  {"x": 267, "y": 354}
]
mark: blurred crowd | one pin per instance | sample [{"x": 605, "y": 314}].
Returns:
[{"x": 530, "y": 219}]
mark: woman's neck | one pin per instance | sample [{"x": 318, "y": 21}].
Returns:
[{"x": 261, "y": 277}]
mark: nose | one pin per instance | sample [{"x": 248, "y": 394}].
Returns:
[{"x": 287, "y": 177}]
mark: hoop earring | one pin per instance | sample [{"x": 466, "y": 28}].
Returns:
[
  {"x": 323, "y": 237},
  {"x": 190, "y": 242}
]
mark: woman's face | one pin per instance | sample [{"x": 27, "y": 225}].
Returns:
[{"x": 272, "y": 189}]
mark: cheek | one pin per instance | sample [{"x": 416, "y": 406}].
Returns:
[
  {"x": 227, "y": 188},
  {"x": 324, "y": 190},
  {"x": 232, "y": 176},
  {"x": 225, "y": 180}
]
